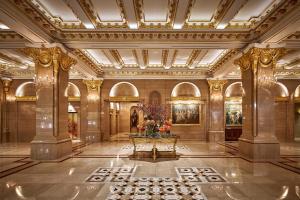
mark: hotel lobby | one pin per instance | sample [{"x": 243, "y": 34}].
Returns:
[{"x": 150, "y": 99}]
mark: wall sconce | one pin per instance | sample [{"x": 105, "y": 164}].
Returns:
[
  {"x": 93, "y": 97},
  {"x": 43, "y": 81}
]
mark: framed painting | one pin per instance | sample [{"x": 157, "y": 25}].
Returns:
[
  {"x": 233, "y": 114},
  {"x": 185, "y": 114}
]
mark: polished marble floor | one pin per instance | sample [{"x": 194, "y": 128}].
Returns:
[{"x": 69, "y": 179}]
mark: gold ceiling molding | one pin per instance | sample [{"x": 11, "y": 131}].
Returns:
[
  {"x": 116, "y": 55},
  {"x": 124, "y": 99},
  {"x": 11, "y": 36},
  {"x": 157, "y": 36},
  {"x": 294, "y": 36},
  {"x": 56, "y": 21},
  {"x": 222, "y": 9},
  {"x": 164, "y": 56},
  {"x": 287, "y": 72},
  {"x": 275, "y": 15},
  {"x": 172, "y": 5},
  {"x": 134, "y": 53},
  {"x": 145, "y": 57},
  {"x": 10, "y": 59},
  {"x": 30, "y": 10},
  {"x": 174, "y": 57},
  {"x": 97, "y": 69},
  {"x": 97, "y": 22},
  {"x": 156, "y": 73},
  {"x": 222, "y": 61}
]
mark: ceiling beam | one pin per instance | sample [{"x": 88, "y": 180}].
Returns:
[
  {"x": 139, "y": 57},
  {"x": 82, "y": 15},
  {"x": 284, "y": 28},
  {"x": 154, "y": 44},
  {"x": 21, "y": 24},
  {"x": 229, "y": 10},
  {"x": 112, "y": 59},
  {"x": 181, "y": 11},
  {"x": 130, "y": 14}
]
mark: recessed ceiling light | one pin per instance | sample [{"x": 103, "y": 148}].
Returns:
[
  {"x": 221, "y": 26},
  {"x": 177, "y": 26},
  {"x": 133, "y": 26},
  {"x": 89, "y": 26},
  {"x": 2, "y": 26}
]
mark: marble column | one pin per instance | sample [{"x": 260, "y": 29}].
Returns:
[
  {"x": 93, "y": 110},
  {"x": 258, "y": 140},
  {"x": 51, "y": 141},
  {"x": 6, "y": 82},
  {"x": 216, "y": 104}
]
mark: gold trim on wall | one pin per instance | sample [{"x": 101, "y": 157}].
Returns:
[
  {"x": 26, "y": 98},
  {"x": 281, "y": 99},
  {"x": 123, "y": 99},
  {"x": 296, "y": 99},
  {"x": 73, "y": 98},
  {"x": 233, "y": 98},
  {"x": 184, "y": 98}
]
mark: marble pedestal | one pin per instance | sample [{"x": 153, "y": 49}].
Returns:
[
  {"x": 51, "y": 149},
  {"x": 258, "y": 150},
  {"x": 216, "y": 136}
]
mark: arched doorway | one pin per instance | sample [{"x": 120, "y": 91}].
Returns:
[
  {"x": 297, "y": 114},
  {"x": 26, "y": 112},
  {"x": 124, "y": 113},
  {"x": 74, "y": 110}
]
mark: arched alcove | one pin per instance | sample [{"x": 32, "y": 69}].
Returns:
[
  {"x": 185, "y": 89},
  {"x": 297, "y": 114},
  {"x": 26, "y": 89},
  {"x": 26, "y": 111},
  {"x": 234, "y": 90},
  {"x": 123, "y": 91},
  {"x": 72, "y": 90},
  {"x": 280, "y": 90}
]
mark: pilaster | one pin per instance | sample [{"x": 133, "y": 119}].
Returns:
[
  {"x": 216, "y": 125},
  {"x": 93, "y": 110},
  {"x": 6, "y": 82}
]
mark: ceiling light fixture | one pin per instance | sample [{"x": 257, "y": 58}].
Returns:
[
  {"x": 133, "y": 26},
  {"x": 2, "y": 26},
  {"x": 221, "y": 26},
  {"x": 177, "y": 26},
  {"x": 89, "y": 26}
]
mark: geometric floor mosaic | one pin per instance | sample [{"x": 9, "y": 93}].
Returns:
[
  {"x": 184, "y": 187},
  {"x": 199, "y": 175}
]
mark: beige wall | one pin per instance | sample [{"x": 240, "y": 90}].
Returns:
[
  {"x": 23, "y": 130},
  {"x": 164, "y": 87}
]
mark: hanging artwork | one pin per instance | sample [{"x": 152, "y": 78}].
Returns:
[
  {"x": 233, "y": 113},
  {"x": 72, "y": 125},
  {"x": 185, "y": 114}
]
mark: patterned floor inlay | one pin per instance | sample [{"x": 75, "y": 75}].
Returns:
[
  {"x": 155, "y": 189},
  {"x": 186, "y": 186},
  {"x": 200, "y": 175},
  {"x": 111, "y": 174}
]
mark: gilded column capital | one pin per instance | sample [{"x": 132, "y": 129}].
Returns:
[
  {"x": 6, "y": 84},
  {"x": 216, "y": 85},
  {"x": 47, "y": 57},
  {"x": 93, "y": 85},
  {"x": 259, "y": 57}
]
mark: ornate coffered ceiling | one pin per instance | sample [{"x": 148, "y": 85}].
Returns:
[{"x": 148, "y": 38}]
